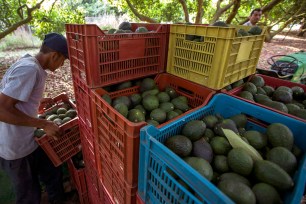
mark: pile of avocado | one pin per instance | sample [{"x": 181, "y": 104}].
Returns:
[
  {"x": 126, "y": 27},
  {"x": 289, "y": 100},
  {"x": 59, "y": 114},
  {"x": 203, "y": 145},
  {"x": 150, "y": 104}
]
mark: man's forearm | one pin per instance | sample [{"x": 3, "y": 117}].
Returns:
[{"x": 16, "y": 117}]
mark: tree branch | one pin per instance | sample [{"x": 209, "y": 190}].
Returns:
[
  {"x": 220, "y": 10},
  {"x": 199, "y": 12},
  {"x": 23, "y": 21},
  {"x": 185, "y": 9},
  {"x": 234, "y": 12},
  {"x": 138, "y": 15}
]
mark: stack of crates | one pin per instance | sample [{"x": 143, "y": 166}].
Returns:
[{"x": 97, "y": 60}]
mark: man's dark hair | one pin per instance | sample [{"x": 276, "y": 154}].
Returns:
[{"x": 257, "y": 9}]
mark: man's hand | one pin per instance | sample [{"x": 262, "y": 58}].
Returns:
[{"x": 51, "y": 129}]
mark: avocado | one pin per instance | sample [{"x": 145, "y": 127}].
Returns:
[
  {"x": 152, "y": 122},
  {"x": 200, "y": 165},
  {"x": 237, "y": 83},
  {"x": 122, "y": 99},
  {"x": 246, "y": 95},
  {"x": 202, "y": 149},
  {"x": 292, "y": 108},
  {"x": 300, "y": 113},
  {"x": 234, "y": 177},
  {"x": 238, "y": 192},
  {"x": 150, "y": 102},
  {"x": 260, "y": 90},
  {"x": 255, "y": 30},
  {"x": 135, "y": 99},
  {"x": 228, "y": 124},
  {"x": 240, "y": 120},
  {"x": 240, "y": 161},
  {"x": 39, "y": 132},
  {"x": 171, "y": 115},
  {"x": 256, "y": 139},
  {"x": 268, "y": 89},
  {"x": 65, "y": 120},
  {"x": 171, "y": 92},
  {"x": 258, "y": 81},
  {"x": 107, "y": 98},
  {"x": 194, "y": 129},
  {"x": 61, "y": 111},
  {"x": 210, "y": 121},
  {"x": 280, "y": 135},
  {"x": 242, "y": 32},
  {"x": 52, "y": 117},
  {"x": 284, "y": 88},
  {"x": 266, "y": 193},
  {"x": 260, "y": 98},
  {"x": 298, "y": 92},
  {"x": 250, "y": 87},
  {"x": 272, "y": 174},
  {"x": 220, "y": 145},
  {"x": 163, "y": 97},
  {"x": 284, "y": 158},
  {"x": 147, "y": 84},
  {"x": 136, "y": 116},
  {"x": 219, "y": 24},
  {"x": 282, "y": 96},
  {"x": 209, "y": 133},
  {"x": 153, "y": 92},
  {"x": 159, "y": 115},
  {"x": 166, "y": 106},
  {"x": 179, "y": 104},
  {"x": 179, "y": 144},
  {"x": 124, "y": 85},
  {"x": 141, "y": 108},
  {"x": 122, "y": 109},
  {"x": 220, "y": 164},
  {"x": 276, "y": 105},
  {"x": 183, "y": 98},
  {"x": 57, "y": 121}
]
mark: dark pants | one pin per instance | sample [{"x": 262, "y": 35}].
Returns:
[{"x": 25, "y": 174}]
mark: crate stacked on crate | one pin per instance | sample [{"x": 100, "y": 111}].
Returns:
[
  {"x": 61, "y": 111},
  {"x": 118, "y": 137},
  {"x": 213, "y": 56},
  {"x": 100, "y": 59},
  {"x": 290, "y": 104},
  {"x": 166, "y": 178},
  {"x": 77, "y": 174}
]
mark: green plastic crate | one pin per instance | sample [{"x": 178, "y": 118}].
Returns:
[{"x": 217, "y": 59}]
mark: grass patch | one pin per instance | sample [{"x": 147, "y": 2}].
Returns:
[{"x": 20, "y": 39}]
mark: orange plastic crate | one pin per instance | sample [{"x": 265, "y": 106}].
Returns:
[
  {"x": 78, "y": 178},
  {"x": 118, "y": 138},
  {"x": 101, "y": 59},
  {"x": 68, "y": 144}
]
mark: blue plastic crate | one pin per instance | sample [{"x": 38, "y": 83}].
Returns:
[{"x": 156, "y": 185}]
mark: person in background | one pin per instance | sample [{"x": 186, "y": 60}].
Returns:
[
  {"x": 254, "y": 17},
  {"x": 21, "y": 91}
]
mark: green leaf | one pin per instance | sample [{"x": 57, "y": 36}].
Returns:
[{"x": 236, "y": 142}]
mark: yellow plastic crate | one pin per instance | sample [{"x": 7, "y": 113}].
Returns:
[{"x": 219, "y": 59}]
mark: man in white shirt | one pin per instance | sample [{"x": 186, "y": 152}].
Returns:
[
  {"x": 254, "y": 17},
  {"x": 21, "y": 90}
]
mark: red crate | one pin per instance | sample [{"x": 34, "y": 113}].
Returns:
[
  {"x": 104, "y": 195},
  {"x": 101, "y": 59},
  {"x": 274, "y": 82},
  {"x": 69, "y": 143},
  {"x": 118, "y": 138},
  {"x": 78, "y": 178},
  {"x": 93, "y": 192},
  {"x": 119, "y": 191},
  {"x": 87, "y": 136},
  {"x": 139, "y": 200},
  {"x": 83, "y": 101}
]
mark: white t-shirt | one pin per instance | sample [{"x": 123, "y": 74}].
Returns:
[
  {"x": 24, "y": 81},
  {"x": 248, "y": 23}
]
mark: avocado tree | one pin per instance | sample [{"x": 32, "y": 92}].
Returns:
[
  {"x": 15, "y": 13},
  {"x": 278, "y": 13}
]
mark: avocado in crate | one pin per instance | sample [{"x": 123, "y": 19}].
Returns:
[
  {"x": 151, "y": 104},
  {"x": 286, "y": 97},
  {"x": 229, "y": 151},
  {"x": 63, "y": 113},
  {"x": 266, "y": 160}
]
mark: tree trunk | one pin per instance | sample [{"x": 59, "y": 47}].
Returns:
[
  {"x": 302, "y": 29},
  {"x": 185, "y": 9},
  {"x": 138, "y": 15},
  {"x": 234, "y": 12},
  {"x": 29, "y": 17},
  {"x": 199, "y": 12}
]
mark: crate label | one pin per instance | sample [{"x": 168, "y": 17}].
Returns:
[
  {"x": 244, "y": 51},
  {"x": 131, "y": 48}
]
